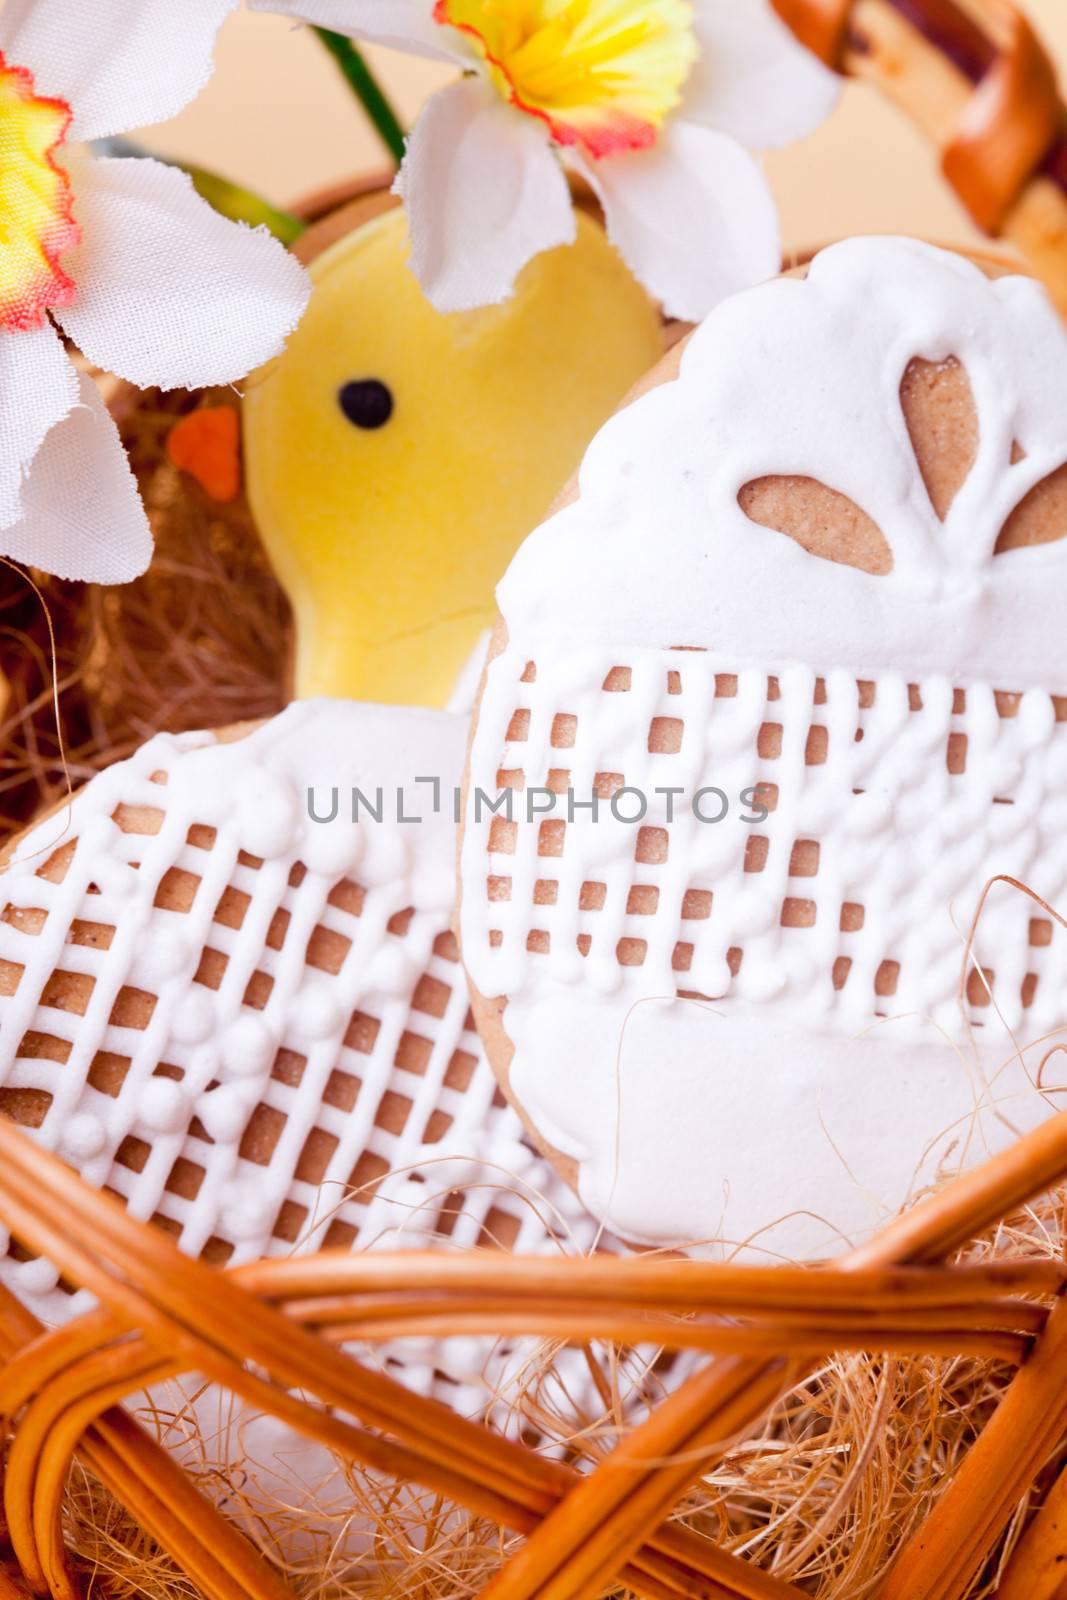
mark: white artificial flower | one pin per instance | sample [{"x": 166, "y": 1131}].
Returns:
[
  {"x": 653, "y": 101},
  {"x": 123, "y": 255}
]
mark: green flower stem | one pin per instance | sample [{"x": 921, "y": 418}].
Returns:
[
  {"x": 368, "y": 92},
  {"x": 229, "y": 199},
  {"x": 241, "y": 205}
]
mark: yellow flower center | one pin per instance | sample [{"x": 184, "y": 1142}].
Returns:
[
  {"x": 601, "y": 73},
  {"x": 36, "y": 224}
]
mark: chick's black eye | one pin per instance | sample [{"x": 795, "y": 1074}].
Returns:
[{"x": 366, "y": 402}]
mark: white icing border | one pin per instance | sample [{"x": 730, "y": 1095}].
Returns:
[{"x": 803, "y": 376}]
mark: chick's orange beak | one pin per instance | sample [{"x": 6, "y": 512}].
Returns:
[{"x": 207, "y": 445}]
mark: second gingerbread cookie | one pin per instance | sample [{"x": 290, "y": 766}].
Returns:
[{"x": 772, "y": 700}]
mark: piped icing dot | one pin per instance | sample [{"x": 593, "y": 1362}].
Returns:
[
  {"x": 316, "y": 1014},
  {"x": 869, "y": 813},
  {"x": 761, "y": 981},
  {"x": 604, "y": 976},
  {"x": 1005, "y": 771},
  {"x": 1036, "y": 718},
  {"x": 162, "y": 1105},
  {"x": 118, "y": 879},
  {"x": 84, "y": 1137},
  {"x": 330, "y": 848},
  {"x": 1053, "y": 819},
  {"x": 193, "y": 1020},
  {"x": 800, "y": 968},
  {"x": 245, "y": 1211},
  {"x": 36, "y": 1277},
  {"x": 268, "y": 816},
  {"x": 385, "y": 850},
  {"x": 1005, "y": 824},
  {"x": 392, "y": 969},
  {"x": 716, "y": 977},
  {"x": 248, "y": 1047},
  {"x": 162, "y": 953},
  {"x": 224, "y": 1112},
  {"x": 755, "y": 913}
]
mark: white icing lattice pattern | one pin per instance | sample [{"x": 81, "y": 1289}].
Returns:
[
  {"x": 255, "y": 1029},
  {"x": 887, "y": 807}
]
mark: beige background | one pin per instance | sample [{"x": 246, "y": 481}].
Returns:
[{"x": 278, "y": 118}]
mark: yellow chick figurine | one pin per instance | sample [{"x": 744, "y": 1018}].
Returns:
[{"x": 395, "y": 457}]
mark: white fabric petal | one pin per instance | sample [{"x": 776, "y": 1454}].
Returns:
[
  {"x": 38, "y": 386},
  {"x": 120, "y": 63},
  {"x": 82, "y": 516},
  {"x": 402, "y": 24},
  {"x": 693, "y": 217},
  {"x": 168, "y": 292},
  {"x": 483, "y": 193},
  {"x": 753, "y": 79}
]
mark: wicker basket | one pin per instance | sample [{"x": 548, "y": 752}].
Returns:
[
  {"x": 968, "y": 1283},
  {"x": 270, "y": 1334}
]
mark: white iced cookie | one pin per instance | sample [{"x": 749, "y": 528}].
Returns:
[
  {"x": 799, "y": 629},
  {"x": 251, "y": 1025}
]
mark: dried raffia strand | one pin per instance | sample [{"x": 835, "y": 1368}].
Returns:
[
  {"x": 630, "y": 1490},
  {"x": 50, "y": 665}
]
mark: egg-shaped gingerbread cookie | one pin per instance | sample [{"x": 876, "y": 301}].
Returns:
[
  {"x": 774, "y": 696},
  {"x": 230, "y": 994}
]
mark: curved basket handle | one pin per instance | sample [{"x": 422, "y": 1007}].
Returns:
[
  {"x": 820, "y": 25},
  {"x": 1008, "y": 127},
  {"x": 981, "y": 85}
]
